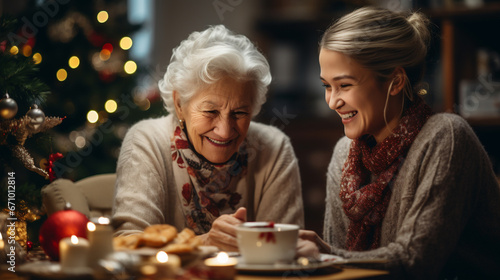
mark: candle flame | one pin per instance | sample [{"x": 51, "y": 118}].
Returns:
[
  {"x": 222, "y": 257},
  {"x": 74, "y": 239},
  {"x": 91, "y": 226},
  {"x": 162, "y": 257},
  {"x": 103, "y": 221}
]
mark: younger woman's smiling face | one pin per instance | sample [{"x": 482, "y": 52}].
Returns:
[
  {"x": 217, "y": 118},
  {"x": 356, "y": 94}
]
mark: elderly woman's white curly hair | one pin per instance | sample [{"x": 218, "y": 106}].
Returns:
[{"x": 206, "y": 57}]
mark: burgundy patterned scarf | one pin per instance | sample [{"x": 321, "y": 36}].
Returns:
[
  {"x": 367, "y": 174},
  {"x": 205, "y": 190}
]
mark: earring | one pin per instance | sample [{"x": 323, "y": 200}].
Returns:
[
  {"x": 181, "y": 124},
  {"x": 422, "y": 92}
]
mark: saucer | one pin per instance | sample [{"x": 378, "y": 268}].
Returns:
[
  {"x": 325, "y": 261},
  {"x": 52, "y": 270}
]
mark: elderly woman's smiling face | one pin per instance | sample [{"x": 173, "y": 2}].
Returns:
[{"x": 217, "y": 118}]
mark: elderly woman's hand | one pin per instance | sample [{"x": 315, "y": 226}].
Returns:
[
  {"x": 311, "y": 245},
  {"x": 223, "y": 232}
]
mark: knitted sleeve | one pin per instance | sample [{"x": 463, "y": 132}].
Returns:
[
  {"x": 452, "y": 177},
  {"x": 139, "y": 193},
  {"x": 280, "y": 198}
]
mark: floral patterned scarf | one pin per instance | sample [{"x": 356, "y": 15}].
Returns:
[
  {"x": 367, "y": 175},
  {"x": 205, "y": 190}
]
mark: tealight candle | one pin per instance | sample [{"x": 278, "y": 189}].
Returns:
[
  {"x": 167, "y": 265},
  {"x": 2, "y": 243},
  {"x": 222, "y": 266},
  {"x": 73, "y": 252},
  {"x": 100, "y": 235}
]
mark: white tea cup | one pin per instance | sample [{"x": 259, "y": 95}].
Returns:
[{"x": 267, "y": 243}]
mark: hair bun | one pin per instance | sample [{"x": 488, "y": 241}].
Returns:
[{"x": 421, "y": 25}]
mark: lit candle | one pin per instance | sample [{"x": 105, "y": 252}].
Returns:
[
  {"x": 2, "y": 243},
  {"x": 222, "y": 266},
  {"x": 100, "y": 235},
  {"x": 73, "y": 252},
  {"x": 167, "y": 265}
]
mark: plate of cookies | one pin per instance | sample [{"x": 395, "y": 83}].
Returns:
[{"x": 163, "y": 237}]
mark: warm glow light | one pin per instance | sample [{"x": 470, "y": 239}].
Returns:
[
  {"x": 148, "y": 270},
  {"x": 27, "y": 50},
  {"x": 74, "y": 239},
  {"x": 162, "y": 257},
  {"x": 80, "y": 141},
  {"x": 222, "y": 257},
  {"x": 91, "y": 226},
  {"x": 92, "y": 116},
  {"x": 108, "y": 47},
  {"x": 110, "y": 106},
  {"x": 14, "y": 50},
  {"x": 103, "y": 221},
  {"x": 126, "y": 43},
  {"x": 102, "y": 16},
  {"x": 74, "y": 62},
  {"x": 104, "y": 55},
  {"x": 72, "y": 135},
  {"x": 130, "y": 67},
  {"x": 37, "y": 58},
  {"x": 61, "y": 75}
]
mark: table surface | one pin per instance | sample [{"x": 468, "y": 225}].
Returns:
[
  {"x": 344, "y": 273},
  {"x": 328, "y": 273}
]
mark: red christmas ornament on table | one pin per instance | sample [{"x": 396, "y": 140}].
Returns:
[{"x": 59, "y": 225}]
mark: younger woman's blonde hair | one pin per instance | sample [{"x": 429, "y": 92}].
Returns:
[{"x": 382, "y": 40}]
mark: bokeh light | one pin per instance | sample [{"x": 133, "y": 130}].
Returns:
[
  {"x": 92, "y": 116},
  {"x": 130, "y": 67},
  {"x": 111, "y": 106},
  {"x": 104, "y": 55},
  {"x": 27, "y": 50},
  {"x": 80, "y": 141},
  {"x": 37, "y": 58},
  {"x": 108, "y": 47},
  {"x": 14, "y": 50},
  {"x": 162, "y": 257},
  {"x": 126, "y": 43},
  {"x": 102, "y": 16},
  {"x": 61, "y": 75},
  {"x": 74, "y": 62}
]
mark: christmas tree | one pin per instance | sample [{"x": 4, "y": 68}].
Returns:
[
  {"x": 20, "y": 119},
  {"x": 85, "y": 48},
  {"x": 78, "y": 51}
]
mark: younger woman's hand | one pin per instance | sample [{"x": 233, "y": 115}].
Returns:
[
  {"x": 307, "y": 248},
  {"x": 312, "y": 237},
  {"x": 223, "y": 231}
]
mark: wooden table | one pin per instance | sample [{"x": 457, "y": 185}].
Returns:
[
  {"x": 345, "y": 273},
  {"x": 328, "y": 273}
]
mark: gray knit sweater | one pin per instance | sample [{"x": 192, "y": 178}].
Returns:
[
  {"x": 443, "y": 219},
  {"x": 146, "y": 191}
]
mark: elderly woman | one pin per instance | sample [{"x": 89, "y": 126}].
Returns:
[
  {"x": 206, "y": 165},
  {"x": 406, "y": 185}
]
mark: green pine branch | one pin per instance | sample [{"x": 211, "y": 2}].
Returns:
[
  {"x": 18, "y": 79},
  {"x": 18, "y": 74}
]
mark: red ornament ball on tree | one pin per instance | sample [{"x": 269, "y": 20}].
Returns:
[{"x": 61, "y": 224}]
